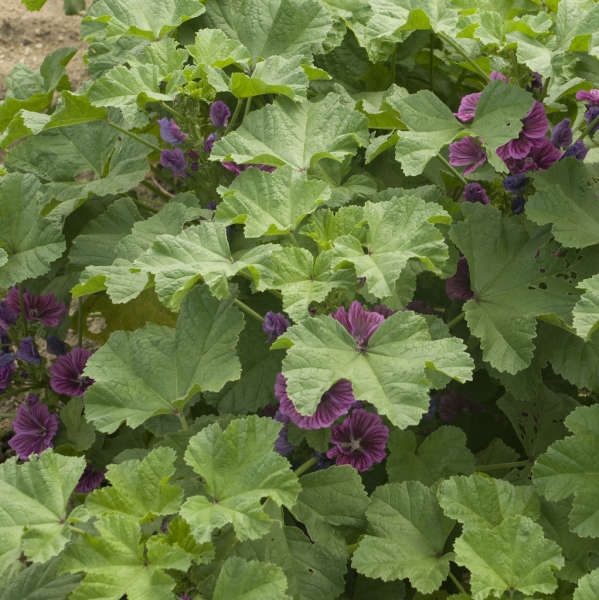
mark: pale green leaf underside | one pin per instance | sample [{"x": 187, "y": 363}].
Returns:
[
  {"x": 586, "y": 310},
  {"x": 407, "y": 535},
  {"x": 588, "y": 586},
  {"x": 156, "y": 369},
  {"x": 390, "y": 374},
  {"x": 240, "y": 467}
]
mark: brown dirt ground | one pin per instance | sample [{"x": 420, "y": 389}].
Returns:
[{"x": 28, "y": 36}]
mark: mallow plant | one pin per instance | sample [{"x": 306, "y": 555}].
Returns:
[{"x": 300, "y": 301}]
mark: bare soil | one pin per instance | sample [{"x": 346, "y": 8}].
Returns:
[{"x": 29, "y": 36}]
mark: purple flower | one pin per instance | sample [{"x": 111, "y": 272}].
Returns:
[
  {"x": 67, "y": 372},
  {"x": 458, "y": 286},
  {"x": 8, "y": 317},
  {"x": 90, "y": 480},
  {"x": 184, "y": 597},
  {"x": 452, "y": 404},
  {"x": 360, "y": 323},
  {"x": 359, "y": 441},
  {"x": 34, "y": 427},
  {"x": 209, "y": 142},
  {"x": 282, "y": 445},
  {"x": 170, "y": 132},
  {"x": 561, "y": 134},
  {"x": 516, "y": 184},
  {"x": 232, "y": 166},
  {"x": 499, "y": 76},
  {"x": 237, "y": 169},
  {"x": 467, "y": 107},
  {"x": 536, "y": 83},
  {"x": 420, "y": 307},
  {"x": 466, "y": 152},
  {"x": 6, "y": 358},
  {"x": 475, "y": 192},
  {"x": 274, "y": 325},
  {"x": 55, "y": 346},
  {"x": 219, "y": 114},
  {"x": 28, "y": 352},
  {"x": 591, "y": 96},
  {"x": 384, "y": 310},
  {"x": 591, "y": 113},
  {"x": 518, "y": 203},
  {"x": 175, "y": 161},
  {"x": 45, "y": 309},
  {"x": 335, "y": 402},
  {"x": 577, "y": 150},
  {"x": 6, "y": 375},
  {"x": 432, "y": 408},
  {"x": 541, "y": 156},
  {"x": 535, "y": 126}
]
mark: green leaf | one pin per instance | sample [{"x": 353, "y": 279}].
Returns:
[
  {"x": 240, "y": 468},
  {"x": 139, "y": 488},
  {"x": 407, "y": 536},
  {"x": 313, "y": 570},
  {"x": 301, "y": 278},
  {"x": 390, "y": 373},
  {"x": 588, "y": 586},
  {"x": 39, "y": 582},
  {"x": 298, "y": 134},
  {"x": 212, "y": 48},
  {"x": 137, "y": 17},
  {"x": 325, "y": 226},
  {"x": 398, "y": 230},
  {"x": 275, "y": 75},
  {"x": 31, "y": 242},
  {"x": 273, "y": 27},
  {"x": 11, "y": 106},
  {"x": 566, "y": 197},
  {"x": 568, "y": 468},
  {"x": 116, "y": 562},
  {"x": 498, "y": 114},
  {"x": 34, "y": 514},
  {"x": 442, "y": 453},
  {"x": 80, "y": 434},
  {"x": 241, "y": 579},
  {"x": 586, "y": 310},
  {"x": 270, "y": 204},
  {"x": 155, "y": 370},
  {"x": 200, "y": 251},
  {"x": 479, "y": 501},
  {"x": 505, "y": 278},
  {"x": 513, "y": 555},
  {"x": 431, "y": 124},
  {"x": 53, "y": 68},
  {"x": 331, "y": 499}
]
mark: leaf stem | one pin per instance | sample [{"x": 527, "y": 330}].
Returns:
[
  {"x": 456, "y": 320},
  {"x": 181, "y": 416},
  {"x": 248, "y": 105},
  {"x": 306, "y": 466},
  {"x": 172, "y": 110},
  {"x": 77, "y": 530},
  {"x": 505, "y": 465},
  {"x": 448, "y": 40},
  {"x": 247, "y": 309},
  {"x": 588, "y": 128},
  {"x": 155, "y": 190},
  {"x": 236, "y": 112},
  {"x": 134, "y": 136},
  {"x": 452, "y": 169},
  {"x": 457, "y": 583},
  {"x": 8, "y": 415}
]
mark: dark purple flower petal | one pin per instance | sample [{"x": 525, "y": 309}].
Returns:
[
  {"x": 35, "y": 429},
  {"x": 274, "y": 325},
  {"x": 56, "y": 346},
  {"x": 334, "y": 403},
  {"x": 517, "y": 148},
  {"x": 6, "y": 373},
  {"x": 219, "y": 114},
  {"x": 577, "y": 150},
  {"x": 516, "y": 184},
  {"x": 535, "y": 122},
  {"x": 28, "y": 352},
  {"x": 175, "y": 161},
  {"x": 360, "y": 323},
  {"x": 6, "y": 358},
  {"x": 536, "y": 82},
  {"x": 466, "y": 152},
  {"x": 544, "y": 153},
  {"x": 419, "y": 306},
  {"x": 499, "y": 76},
  {"x": 561, "y": 134},
  {"x": 359, "y": 441},
  {"x": 458, "y": 286},
  {"x": 432, "y": 408},
  {"x": 8, "y": 317},
  {"x": 452, "y": 404},
  {"x": 383, "y": 310},
  {"x": 475, "y": 192},
  {"x": 467, "y": 107},
  {"x": 45, "y": 309},
  {"x": 66, "y": 372},
  {"x": 209, "y": 142},
  {"x": 518, "y": 203},
  {"x": 231, "y": 166},
  {"x": 90, "y": 480},
  {"x": 590, "y": 96},
  {"x": 170, "y": 131},
  {"x": 591, "y": 113}
]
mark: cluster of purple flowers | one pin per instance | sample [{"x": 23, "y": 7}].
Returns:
[
  {"x": 531, "y": 150},
  {"x": 176, "y": 161}
]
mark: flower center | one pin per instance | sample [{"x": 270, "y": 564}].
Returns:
[{"x": 354, "y": 444}]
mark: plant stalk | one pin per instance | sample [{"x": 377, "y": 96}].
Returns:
[
  {"x": 456, "y": 320},
  {"x": 235, "y": 116},
  {"x": 457, "y": 583},
  {"x": 452, "y": 169},
  {"x": 247, "y": 309},
  {"x": 306, "y": 466},
  {"x": 461, "y": 51},
  {"x": 134, "y": 136}
]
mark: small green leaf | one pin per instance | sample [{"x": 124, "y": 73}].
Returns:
[
  {"x": 586, "y": 311},
  {"x": 80, "y": 434},
  {"x": 212, "y": 48},
  {"x": 588, "y": 586},
  {"x": 240, "y": 467},
  {"x": 407, "y": 536}
]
